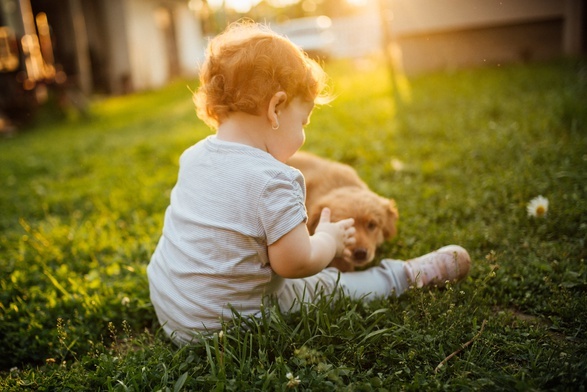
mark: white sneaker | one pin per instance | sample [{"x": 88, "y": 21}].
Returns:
[{"x": 448, "y": 264}]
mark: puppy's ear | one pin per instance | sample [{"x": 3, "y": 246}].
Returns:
[
  {"x": 391, "y": 217},
  {"x": 314, "y": 218}
]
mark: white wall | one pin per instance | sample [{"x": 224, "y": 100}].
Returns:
[
  {"x": 436, "y": 34},
  {"x": 119, "y": 68},
  {"x": 146, "y": 46},
  {"x": 448, "y": 34},
  {"x": 139, "y": 47},
  {"x": 190, "y": 42},
  {"x": 418, "y": 16},
  {"x": 357, "y": 36}
]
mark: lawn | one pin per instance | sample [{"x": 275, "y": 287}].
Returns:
[{"x": 82, "y": 203}]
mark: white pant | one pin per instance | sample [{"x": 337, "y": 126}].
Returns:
[{"x": 376, "y": 282}]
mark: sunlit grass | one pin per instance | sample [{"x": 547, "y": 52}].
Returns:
[{"x": 82, "y": 204}]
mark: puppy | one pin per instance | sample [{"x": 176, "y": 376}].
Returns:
[{"x": 339, "y": 187}]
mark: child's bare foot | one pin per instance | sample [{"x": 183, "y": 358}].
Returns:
[{"x": 448, "y": 264}]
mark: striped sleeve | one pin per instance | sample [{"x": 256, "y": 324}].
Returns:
[{"x": 282, "y": 206}]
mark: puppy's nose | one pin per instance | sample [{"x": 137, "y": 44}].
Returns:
[{"x": 360, "y": 254}]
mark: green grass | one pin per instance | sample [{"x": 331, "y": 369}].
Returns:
[{"x": 82, "y": 204}]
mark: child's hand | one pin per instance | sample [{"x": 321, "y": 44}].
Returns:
[
  {"x": 343, "y": 232},
  {"x": 297, "y": 254}
]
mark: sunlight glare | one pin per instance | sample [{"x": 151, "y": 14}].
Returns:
[
  {"x": 358, "y": 3},
  {"x": 241, "y": 6}
]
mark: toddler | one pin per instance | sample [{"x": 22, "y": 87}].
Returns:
[{"x": 234, "y": 232}]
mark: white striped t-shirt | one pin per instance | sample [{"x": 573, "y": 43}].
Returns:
[{"x": 229, "y": 203}]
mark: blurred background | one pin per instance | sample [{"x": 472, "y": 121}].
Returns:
[{"x": 68, "y": 51}]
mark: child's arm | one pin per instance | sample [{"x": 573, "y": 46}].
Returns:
[{"x": 297, "y": 254}]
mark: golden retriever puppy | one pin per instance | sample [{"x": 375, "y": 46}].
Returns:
[{"x": 339, "y": 187}]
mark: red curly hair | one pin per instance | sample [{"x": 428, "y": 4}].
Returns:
[{"x": 246, "y": 65}]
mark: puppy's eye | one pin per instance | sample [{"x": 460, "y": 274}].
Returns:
[{"x": 371, "y": 225}]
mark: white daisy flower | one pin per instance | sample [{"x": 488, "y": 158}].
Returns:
[
  {"x": 537, "y": 207},
  {"x": 293, "y": 381},
  {"x": 397, "y": 165}
]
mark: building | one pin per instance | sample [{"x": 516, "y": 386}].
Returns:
[
  {"x": 448, "y": 34},
  {"x": 88, "y": 46}
]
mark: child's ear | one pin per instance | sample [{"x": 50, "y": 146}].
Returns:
[{"x": 275, "y": 105}]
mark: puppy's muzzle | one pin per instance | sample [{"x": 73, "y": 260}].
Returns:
[{"x": 360, "y": 254}]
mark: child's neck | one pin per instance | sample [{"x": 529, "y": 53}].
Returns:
[{"x": 245, "y": 129}]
